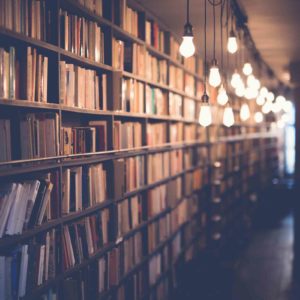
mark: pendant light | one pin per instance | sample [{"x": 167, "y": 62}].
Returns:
[
  {"x": 187, "y": 47},
  {"x": 258, "y": 117},
  {"x": 232, "y": 45},
  {"x": 247, "y": 69},
  {"x": 214, "y": 73},
  {"x": 228, "y": 116},
  {"x": 222, "y": 97},
  {"x": 205, "y": 118},
  {"x": 245, "y": 112}
]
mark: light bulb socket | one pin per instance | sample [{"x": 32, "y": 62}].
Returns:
[
  {"x": 204, "y": 98},
  {"x": 232, "y": 33},
  {"x": 188, "y": 29},
  {"x": 214, "y": 63}
]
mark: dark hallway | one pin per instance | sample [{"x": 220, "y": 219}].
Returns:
[{"x": 262, "y": 269}]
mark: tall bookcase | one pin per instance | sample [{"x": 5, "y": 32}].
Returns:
[{"x": 129, "y": 185}]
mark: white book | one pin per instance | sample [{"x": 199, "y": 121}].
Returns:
[
  {"x": 2, "y": 278},
  {"x": 34, "y": 188},
  {"x": 23, "y": 271},
  {"x": 47, "y": 252},
  {"x": 41, "y": 265},
  {"x": 22, "y": 208},
  {"x": 45, "y": 203},
  {"x": 15, "y": 197}
]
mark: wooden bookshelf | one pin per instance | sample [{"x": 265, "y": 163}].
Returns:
[{"x": 182, "y": 161}]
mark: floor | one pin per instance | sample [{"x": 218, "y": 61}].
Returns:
[{"x": 263, "y": 270}]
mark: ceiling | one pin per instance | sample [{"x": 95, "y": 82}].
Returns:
[{"x": 273, "y": 24}]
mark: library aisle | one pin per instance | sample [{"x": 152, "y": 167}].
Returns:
[{"x": 262, "y": 271}]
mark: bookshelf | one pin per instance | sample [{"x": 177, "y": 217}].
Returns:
[{"x": 103, "y": 134}]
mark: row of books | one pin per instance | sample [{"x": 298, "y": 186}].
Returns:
[
  {"x": 95, "y": 6},
  {"x": 154, "y": 36},
  {"x": 23, "y": 78},
  {"x": 129, "y": 214},
  {"x": 156, "y": 101},
  {"x": 27, "y": 204},
  {"x": 130, "y": 19},
  {"x": 176, "y": 132},
  {"x": 39, "y": 135},
  {"x": 164, "y": 164},
  {"x": 83, "y": 187},
  {"x": 127, "y": 135},
  {"x": 129, "y": 57},
  {"x": 81, "y": 36},
  {"x": 29, "y": 17},
  {"x": 85, "y": 237},
  {"x": 156, "y": 69},
  {"x": 176, "y": 77},
  {"x": 189, "y": 84},
  {"x": 129, "y": 175},
  {"x": 156, "y": 134},
  {"x": 175, "y": 105},
  {"x": 132, "y": 99},
  {"x": 76, "y": 140},
  {"x": 80, "y": 87},
  {"x": 28, "y": 266}
]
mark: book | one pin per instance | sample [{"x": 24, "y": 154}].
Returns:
[
  {"x": 83, "y": 88},
  {"x": 156, "y": 134},
  {"x": 156, "y": 69},
  {"x": 5, "y": 136},
  {"x": 156, "y": 101},
  {"x": 81, "y": 36}
]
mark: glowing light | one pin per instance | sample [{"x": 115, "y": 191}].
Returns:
[
  {"x": 205, "y": 118},
  {"x": 245, "y": 112},
  {"x": 258, "y": 117},
  {"x": 228, "y": 117}
]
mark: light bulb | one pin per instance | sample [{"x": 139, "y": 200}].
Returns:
[
  {"x": 287, "y": 106},
  {"x": 264, "y": 92},
  {"x": 281, "y": 101},
  {"x": 187, "y": 47},
  {"x": 258, "y": 117},
  {"x": 276, "y": 107},
  {"x": 214, "y": 76},
  {"x": 240, "y": 90},
  {"x": 245, "y": 112},
  {"x": 251, "y": 80},
  {"x": 205, "y": 115},
  {"x": 232, "y": 45},
  {"x": 286, "y": 118},
  {"x": 280, "y": 123},
  {"x": 247, "y": 69},
  {"x": 228, "y": 117},
  {"x": 260, "y": 100},
  {"x": 251, "y": 93},
  {"x": 267, "y": 107},
  {"x": 222, "y": 97},
  {"x": 270, "y": 96},
  {"x": 235, "y": 79}
]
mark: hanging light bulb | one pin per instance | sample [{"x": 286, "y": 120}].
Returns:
[
  {"x": 205, "y": 118},
  {"x": 228, "y": 117},
  {"x": 222, "y": 97},
  {"x": 235, "y": 79},
  {"x": 263, "y": 92},
  {"x": 267, "y": 107},
  {"x": 214, "y": 78},
  {"x": 247, "y": 68},
  {"x": 288, "y": 106},
  {"x": 260, "y": 100},
  {"x": 251, "y": 93},
  {"x": 245, "y": 112},
  {"x": 258, "y": 117},
  {"x": 240, "y": 90},
  {"x": 280, "y": 123},
  {"x": 270, "y": 96},
  {"x": 251, "y": 80},
  {"x": 232, "y": 45},
  {"x": 187, "y": 47},
  {"x": 281, "y": 101}
]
